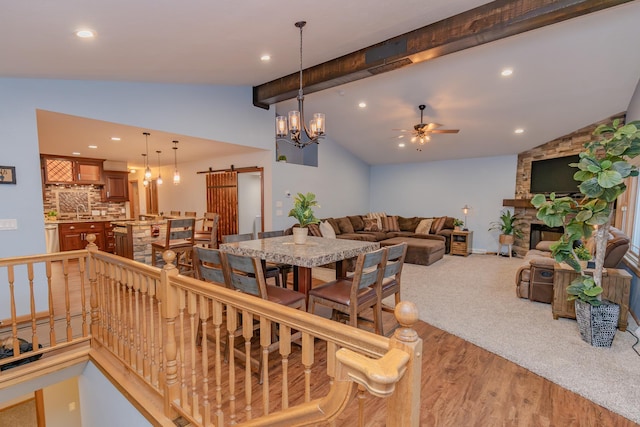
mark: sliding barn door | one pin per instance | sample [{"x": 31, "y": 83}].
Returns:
[{"x": 222, "y": 198}]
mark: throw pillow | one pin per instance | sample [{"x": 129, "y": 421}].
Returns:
[
  {"x": 378, "y": 216},
  {"x": 371, "y": 224},
  {"x": 448, "y": 222},
  {"x": 391, "y": 223},
  {"x": 314, "y": 230},
  {"x": 357, "y": 222},
  {"x": 408, "y": 224},
  {"x": 544, "y": 245},
  {"x": 345, "y": 225},
  {"x": 425, "y": 226},
  {"x": 334, "y": 224},
  {"x": 438, "y": 224},
  {"x": 327, "y": 230}
]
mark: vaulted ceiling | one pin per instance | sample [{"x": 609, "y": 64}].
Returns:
[{"x": 565, "y": 75}]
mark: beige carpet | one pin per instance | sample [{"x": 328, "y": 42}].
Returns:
[
  {"x": 20, "y": 415},
  {"x": 474, "y": 298}
]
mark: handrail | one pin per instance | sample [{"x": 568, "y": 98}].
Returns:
[{"x": 146, "y": 318}]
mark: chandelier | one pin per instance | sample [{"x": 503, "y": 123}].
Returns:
[
  {"x": 176, "y": 174},
  {"x": 295, "y": 132}
]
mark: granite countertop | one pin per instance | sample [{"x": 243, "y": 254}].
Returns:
[
  {"x": 87, "y": 219},
  {"x": 124, "y": 222}
]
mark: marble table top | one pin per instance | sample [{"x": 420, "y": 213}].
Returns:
[{"x": 315, "y": 252}]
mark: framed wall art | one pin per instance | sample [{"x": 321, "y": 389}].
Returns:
[{"x": 7, "y": 174}]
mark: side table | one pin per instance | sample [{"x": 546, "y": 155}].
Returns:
[
  {"x": 616, "y": 285},
  {"x": 461, "y": 242}
]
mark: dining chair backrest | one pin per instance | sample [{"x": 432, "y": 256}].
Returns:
[
  {"x": 369, "y": 270},
  {"x": 180, "y": 229},
  {"x": 269, "y": 234},
  {"x": 190, "y": 214},
  {"x": 211, "y": 220},
  {"x": 395, "y": 260},
  {"x": 208, "y": 265},
  {"x": 230, "y": 238},
  {"x": 174, "y": 213},
  {"x": 245, "y": 274}
]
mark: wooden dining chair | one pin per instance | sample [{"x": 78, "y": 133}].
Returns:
[
  {"x": 391, "y": 283},
  {"x": 270, "y": 271},
  {"x": 174, "y": 213},
  {"x": 351, "y": 296},
  {"x": 207, "y": 265},
  {"x": 245, "y": 274},
  {"x": 178, "y": 238},
  {"x": 285, "y": 269},
  {"x": 190, "y": 214},
  {"x": 208, "y": 235}
]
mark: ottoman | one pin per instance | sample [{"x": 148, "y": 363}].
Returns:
[{"x": 419, "y": 251}]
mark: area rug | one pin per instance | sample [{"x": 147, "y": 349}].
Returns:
[{"x": 474, "y": 298}]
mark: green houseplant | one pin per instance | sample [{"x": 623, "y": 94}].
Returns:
[
  {"x": 302, "y": 211},
  {"x": 509, "y": 226},
  {"x": 282, "y": 158},
  {"x": 457, "y": 223},
  {"x": 602, "y": 169}
]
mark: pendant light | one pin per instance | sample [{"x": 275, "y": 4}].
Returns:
[
  {"x": 159, "y": 180},
  {"x": 145, "y": 181},
  {"x": 147, "y": 169},
  {"x": 295, "y": 131},
  {"x": 176, "y": 174}
]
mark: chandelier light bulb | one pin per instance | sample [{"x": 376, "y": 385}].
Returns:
[
  {"x": 176, "y": 174},
  {"x": 159, "y": 180}
]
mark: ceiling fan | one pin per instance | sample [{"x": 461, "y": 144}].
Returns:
[{"x": 421, "y": 132}]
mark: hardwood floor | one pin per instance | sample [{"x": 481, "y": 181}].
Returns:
[{"x": 465, "y": 385}]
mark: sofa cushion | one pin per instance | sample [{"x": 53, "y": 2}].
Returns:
[
  {"x": 334, "y": 224},
  {"x": 367, "y": 237},
  {"x": 448, "y": 222},
  {"x": 314, "y": 230},
  {"x": 438, "y": 224},
  {"x": 544, "y": 245},
  {"x": 371, "y": 224},
  {"x": 327, "y": 230},
  {"x": 424, "y": 227},
  {"x": 378, "y": 235},
  {"x": 378, "y": 216},
  {"x": 345, "y": 225},
  {"x": 391, "y": 234},
  {"x": 357, "y": 222},
  {"x": 408, "y": 224},
  {"x": 390, "y": 223}
]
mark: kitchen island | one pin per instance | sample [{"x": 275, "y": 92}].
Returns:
[{"x": 134, "y": 238}]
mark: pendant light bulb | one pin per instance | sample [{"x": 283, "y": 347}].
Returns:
[
  {"x": 147, "y": 169},
  {"x": 159, "y": 180},
  {"x": 176, "y": 174}
]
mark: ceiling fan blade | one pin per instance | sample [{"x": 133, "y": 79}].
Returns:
[
  {"x": 445, "y": 131},
  {"x": 403, "y": 130},
  {"x": 431, "y": 126}
]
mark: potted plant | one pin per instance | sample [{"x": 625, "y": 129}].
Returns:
[
  {"x": 52, "y": 215},
  {"x": 508, "y": 226},
  {"x": 303, "y": 212},
  {"x": 282, "y": 158},
  {"x": 457, "y": 223},
  {"x": 602, "y": 169}
]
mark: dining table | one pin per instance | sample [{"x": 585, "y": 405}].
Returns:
[{"x": 317, "y": 251}]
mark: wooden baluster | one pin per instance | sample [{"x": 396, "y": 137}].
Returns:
[
  {"x": 67, "y": 302},
  {"x": 52, "y": 323},
  {"x": 232, "y": 325},
  {"x": 161, "y": 326},
  {"x": 83, "y": 295},
  {"x": 332, "y": 348},
  {"x": 14, "y": 323},
  {"x": 265, "y": 343},
  {"x": 32, "y": 307},
  {"x": 94, "y": 300},
  {"x": 137, "y": 328},
  {"x": 148, "y": 310},
  {"x": 170, "y": 307},
  {"x": 142, "y": 356},
  {"x": 203, "y": 310},
  {"x": 285, "y": 351},
  {"x": 192, "y": 308},
  {"x": 184, "y": 392},
  {"x": 216, "y": 318},
  {"x": 127, "y": 317},
  {"x": 361, "y": 397},
  {"x": 120, "y": 311},
  {"x": 307, "y": 362},
  {"x": 404, "y": 404},
  {"x": 247, "y": 334}
]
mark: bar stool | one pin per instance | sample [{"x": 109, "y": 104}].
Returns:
[
  {"x": 209, "y": 234},
  {"x": 179, "y": 238}
]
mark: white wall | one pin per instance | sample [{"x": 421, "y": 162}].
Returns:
[
  {"x": 340, "y": 183},
  {"x": 633, "y": 111},
  {"x": 444, "y": 187},
  {"x": 102, "y": 404},
  {"x": 248, "y": 202},
  {"x": 57, "y": 398}
]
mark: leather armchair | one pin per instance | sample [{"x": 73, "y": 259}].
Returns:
[{"x": 534, "y": 279}]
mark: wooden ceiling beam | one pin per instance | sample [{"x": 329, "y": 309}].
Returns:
[{"x": 484, "y": 24}]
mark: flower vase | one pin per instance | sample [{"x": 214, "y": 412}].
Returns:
[{"x": 300, "y": 235}]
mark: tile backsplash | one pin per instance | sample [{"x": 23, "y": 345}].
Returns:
[{"x": 65, "y": 199}]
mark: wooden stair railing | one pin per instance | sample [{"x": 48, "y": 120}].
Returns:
[{"x": 146, "y": 319}]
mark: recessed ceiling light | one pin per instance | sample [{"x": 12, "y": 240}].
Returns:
[
  {"x": 85, "y": 34},
  {"x": 506, "y": 72},
  {"x": 401, "y": 145},
  {"x": 519, "y": 130},
  {"x": 75, "y": 153},
  {"x": 93, "y": 146},
  {"x": 265, "y": 58},
  {"x": 400, "y": 136},
  {"x": 362, "y": 104},
  {"x": 115, "y": 138}
]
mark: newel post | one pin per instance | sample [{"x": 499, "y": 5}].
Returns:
[
  {"x": 92, "y": 248},
  {"x": 169, "y": 297},
  {"x": 404, "y": 403}
]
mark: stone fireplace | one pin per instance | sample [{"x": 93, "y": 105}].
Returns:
[
  {"x": 567, "y": 145},
  {"x": 540, "y": 232}
]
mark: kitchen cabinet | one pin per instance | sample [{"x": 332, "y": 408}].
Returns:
[
  {"x": 73, "y": 235},
  {"x": 116, "y": 186},
  {"x": 71, "y": 170},
  {"x": 109, "y": 238}
]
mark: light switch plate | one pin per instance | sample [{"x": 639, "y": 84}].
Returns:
[{"x": 8, "y": 224}]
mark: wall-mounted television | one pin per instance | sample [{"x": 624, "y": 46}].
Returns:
[{"x": 554, "y": 175}]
